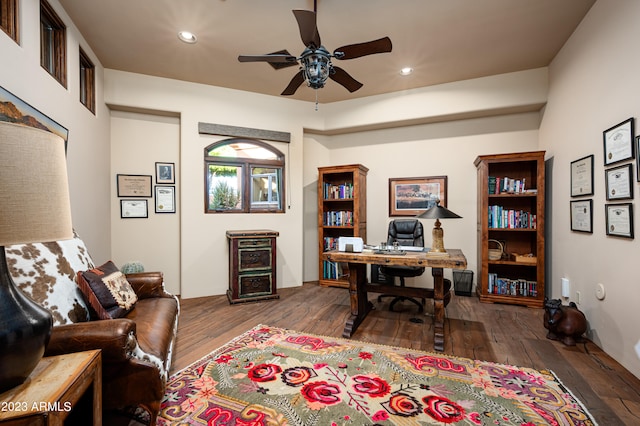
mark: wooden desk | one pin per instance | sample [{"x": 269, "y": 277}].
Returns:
[
  {"x": 53, "y": 389},
  {"x": 358, "y": 285}
]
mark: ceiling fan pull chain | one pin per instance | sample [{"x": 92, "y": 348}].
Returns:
[{"x": 316, "y": 100}]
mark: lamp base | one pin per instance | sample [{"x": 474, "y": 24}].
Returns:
[{"x": 25, "y": 329}]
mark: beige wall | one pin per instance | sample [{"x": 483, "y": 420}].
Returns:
[
  {"x": 88, "y": 144},
  {"x": 594, "y": 84},
  {"x": 138, "y": 141},
  {"x": 202, "y": 240},
  {"x": 203, "y": 245},
  {"x": 437, "y": 149}
]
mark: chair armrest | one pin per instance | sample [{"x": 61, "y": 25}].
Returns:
[
  {"x": 148, "y": 284},
  {"x": 116, "y": 338}
]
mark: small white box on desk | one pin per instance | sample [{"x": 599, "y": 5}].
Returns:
[{"x": 350, "y": 244}]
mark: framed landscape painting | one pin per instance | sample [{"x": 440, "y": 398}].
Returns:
[
  {"x": 15, "y": 110},
  {"x": 412, "y": 196}
]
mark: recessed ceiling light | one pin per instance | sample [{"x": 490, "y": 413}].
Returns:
[
  {"x": 187, "y": 37},
  {"x": 406, "y": 71}
]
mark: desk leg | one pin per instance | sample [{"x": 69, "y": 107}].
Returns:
[
  {"x": 360, "y": 305},
  {"x": 438, "y": 309}
]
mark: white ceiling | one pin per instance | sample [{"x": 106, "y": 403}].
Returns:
[{"x": 443, "y": 40}]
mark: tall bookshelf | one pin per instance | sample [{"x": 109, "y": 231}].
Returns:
[
  {"x": 511, "y": 201},
  {"x": 342, "y": 212}
]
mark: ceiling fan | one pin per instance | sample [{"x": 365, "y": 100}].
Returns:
[{"x": 315, "y": 59}]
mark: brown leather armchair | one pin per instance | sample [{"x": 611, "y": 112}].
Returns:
[{"x": 136, "y": 350}]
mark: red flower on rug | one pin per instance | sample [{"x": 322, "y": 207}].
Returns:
[
  {"x": 401, "y": 404},
  {"x": 322, "y": 392},
  {"x": 442, "y": 409},
  {"x": 264, "y": 372},
  {"x": 373, "y": 386}
]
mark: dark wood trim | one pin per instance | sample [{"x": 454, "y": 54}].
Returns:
[
  {"x": 9, "y": 18},
  {"x": 243, "y": 132}
]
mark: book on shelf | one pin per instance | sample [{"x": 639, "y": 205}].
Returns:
[
  {"x": 338, "y": 218},
  {"x": 506, "y": 185},
  {"x": 511, "y": 287},
  {"x": 501, "y": 218},
  {"x": 337, "y": 192},
  {"x": 332, "y": 270}
]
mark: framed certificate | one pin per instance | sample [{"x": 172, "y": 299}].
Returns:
[
  {"x": 133, "y": 209},
  {"x": 582, "y": 216},
  {"x": 165, "y": 199},
  {"x": 582, "y": 176},
  {"x": 638, "y": 158},
  {"x": 134, "y": 185},
  {"x": 618, "y": 181},
  {"x": 618, "y": 142},
  {"x": 619, "y": 219}
]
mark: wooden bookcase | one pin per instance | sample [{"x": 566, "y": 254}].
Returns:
[
  {"x": 342, "y": 212},
  {"x": 511, "y": 202}
]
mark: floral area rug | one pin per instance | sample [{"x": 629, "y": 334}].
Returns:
[{"x": 275, "y": 376}]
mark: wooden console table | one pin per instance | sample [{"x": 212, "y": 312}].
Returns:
[
  {"x": 53, "y": 390},
  {"x": 358, "y": 285}
]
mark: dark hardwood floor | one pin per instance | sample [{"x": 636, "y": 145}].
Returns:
[{"x": 500, "y": 333}]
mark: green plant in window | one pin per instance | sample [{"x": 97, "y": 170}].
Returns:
[{"x": 223, "y": 196}]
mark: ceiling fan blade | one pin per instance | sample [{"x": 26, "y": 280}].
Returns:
[
  {"x": 342, "y": 77},
  {"x": 357, "y": 50},
  {"x": 308, "y": 28},
  {"x": 295, "y": 82},
  {"x": 268, "y": 58}
]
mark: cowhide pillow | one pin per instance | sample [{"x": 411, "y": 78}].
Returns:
[{"x": 46, "y": 272}]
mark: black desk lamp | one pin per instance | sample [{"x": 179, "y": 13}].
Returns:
[{"x": 438, "y": 212}]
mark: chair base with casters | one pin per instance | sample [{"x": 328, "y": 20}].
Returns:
[
  {"x": 427, "y": 293},
  {"x": 402, "y": 272}
]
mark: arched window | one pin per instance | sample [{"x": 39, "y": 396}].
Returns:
[{"x": 243, "y": 176}]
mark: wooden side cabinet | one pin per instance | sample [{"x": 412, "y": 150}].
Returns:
[
  {"x": 511, "y": 246},
  {"x": 252, "y": 265}
]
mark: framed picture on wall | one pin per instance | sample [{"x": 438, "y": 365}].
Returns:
[
  {"x": 165, "y": 199},
  {"x": 619, "y": 220},
  {"x": 134, "y": 209},
  {"x": 582, "y": 176},
  {"x": 619, "y": 182},
  {"x": 638, "y": 158},
  {"x": 165, "y": 173},
  {"x": 134, "y": 185},
  {"x": 618, "y": 142},
  {"x": 582, "y": 216},
  {"x": 412, "y": 196},
  {"x": 26, "y": 115}
]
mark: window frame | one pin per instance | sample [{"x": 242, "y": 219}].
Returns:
[
  {"x": 53, "y": 43},
  {"x": 246, "y": 165},
  {"x": 9, "y": 18},
  {"x": 87, "y": 82}
]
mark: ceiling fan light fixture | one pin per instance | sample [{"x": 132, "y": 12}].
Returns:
[
  {"x": 317, "y": 66},
  {"x": 406, "y": 71},
  {"x": 187, "y": 37}
]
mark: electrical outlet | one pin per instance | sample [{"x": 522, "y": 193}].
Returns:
[{"x": 578, "y": 297}]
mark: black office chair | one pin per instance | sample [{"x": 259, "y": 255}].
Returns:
[{"x": 407, "y": 232}]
